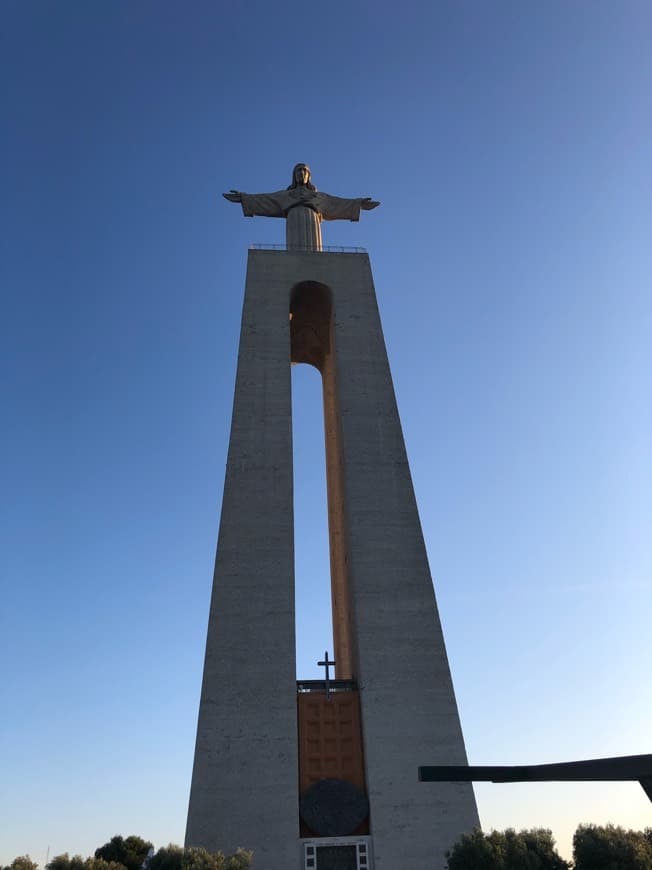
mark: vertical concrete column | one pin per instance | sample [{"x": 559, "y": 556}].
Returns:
[
  {"x": 344, "y": 641},
  {"x": 245, "y": 778},
  {"x": 409, "y": 712}
]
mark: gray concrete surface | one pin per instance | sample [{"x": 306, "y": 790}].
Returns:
[{"x": 244, "y": 785}]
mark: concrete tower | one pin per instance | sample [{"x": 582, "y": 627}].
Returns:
[{"x": 310, "y": 776}]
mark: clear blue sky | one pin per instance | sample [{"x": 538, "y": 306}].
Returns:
[{"x": 510, "y": 145}]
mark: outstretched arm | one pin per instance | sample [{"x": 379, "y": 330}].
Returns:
[
  {"x": 334, "y": 208},
  {"x": 263, "y": 204}
]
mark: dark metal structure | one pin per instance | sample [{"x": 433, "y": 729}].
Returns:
[{"x": 637, "y": 768}]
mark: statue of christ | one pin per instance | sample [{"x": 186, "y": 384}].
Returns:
[{"x": 303, "y": 207}]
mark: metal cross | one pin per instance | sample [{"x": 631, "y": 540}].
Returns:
[{"x": 327, "y": 664}]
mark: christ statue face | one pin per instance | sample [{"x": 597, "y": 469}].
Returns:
[{"x": 302, "y": 175}]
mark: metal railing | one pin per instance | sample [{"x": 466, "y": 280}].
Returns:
[
  {"x": 320, "y": 686},
  {"x": 338, "y": 249}
]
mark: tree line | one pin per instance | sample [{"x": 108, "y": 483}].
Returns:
[
  {"x": 134, "y": 853},
  {"x": 595, "y": 847}
]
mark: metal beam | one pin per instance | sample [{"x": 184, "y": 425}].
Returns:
[{"x": 637, "y": 768}]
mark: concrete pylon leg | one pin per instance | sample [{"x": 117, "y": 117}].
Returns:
[
  {"x": 407, "y": 699},
  {"x": 244, "y": 788}
]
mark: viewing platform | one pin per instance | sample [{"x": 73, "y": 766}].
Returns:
[{"x": 296, "y": 249}]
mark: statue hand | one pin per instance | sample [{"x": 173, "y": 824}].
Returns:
[
  {"x": 368, "y": 203},
  {"x": 233, "y": 196}
]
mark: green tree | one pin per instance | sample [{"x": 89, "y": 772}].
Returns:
[
  {"x": 22, "y": 862},
  {"x": 506, "y": 850},
  {"x": 130, "y": 849},
  {"x": 101, "y": 864},
  {"x": 167, "y": 858},
  {"x": 240, "y": 860},
  {"x": 532, "y": 850},
  {"x": 611, "y": 848},
  {"x": 65, "y": 862},
  {"x": 200, "y": 859},
  {"x": 175, "y": 858},
  {"x": 130, "y": 852},
  {"x": 475, "y": 851}
]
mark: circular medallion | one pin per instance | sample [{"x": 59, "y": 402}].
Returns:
[{"x": 333, "y": 807}]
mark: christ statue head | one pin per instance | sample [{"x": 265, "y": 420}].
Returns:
[{"x": 301, "y": 177}]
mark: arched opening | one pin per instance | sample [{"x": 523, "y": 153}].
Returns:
[
  {"x": 314, "y": 623},
  {"x": 312, "y": 342}
]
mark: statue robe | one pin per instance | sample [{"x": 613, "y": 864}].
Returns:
[{"x": 303, "y": 210}]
